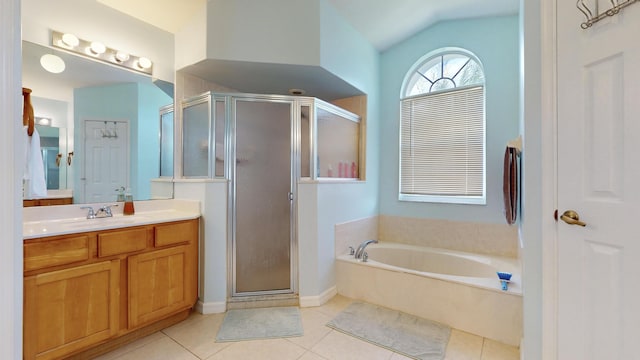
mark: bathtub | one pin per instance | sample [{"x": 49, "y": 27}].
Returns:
[{"x": 455, "y": 288}]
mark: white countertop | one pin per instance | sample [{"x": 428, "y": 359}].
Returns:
[
  {"x": 55, "y": 194},
  {"x": 45, "y": 221}
]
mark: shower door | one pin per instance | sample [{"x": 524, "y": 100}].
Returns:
[{"x": 262, "y": 197}]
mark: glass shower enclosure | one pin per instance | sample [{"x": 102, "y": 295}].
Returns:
[{"x": 263, "y": 145}]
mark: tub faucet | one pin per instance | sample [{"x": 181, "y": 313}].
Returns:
[{"x": 361, "y": 248}]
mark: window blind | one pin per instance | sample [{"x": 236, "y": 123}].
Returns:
[{"x": 442, "y": 144}]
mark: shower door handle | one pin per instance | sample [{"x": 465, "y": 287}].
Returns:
[{"x": 290, "y": 194}]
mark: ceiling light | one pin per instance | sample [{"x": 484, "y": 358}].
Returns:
[
  {"x": 99, "y": 51},
  {"x": 43, "y": 121},
  {"x": 70, "y": 40},
  {"x": 144, "y": 63},
  {"x": 52, "y": 63},
  {"x": 296, "y": 92},
  {"x": 122, "y": 56},
  {"x": 97, "y": 48}
]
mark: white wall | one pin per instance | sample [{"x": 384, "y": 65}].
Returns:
[
  {"x": 11, "y": 147},
  {"x": 538, "y": 173},
  {"x": 274, "y": 31},
  {"x": 92, "y": 20}
]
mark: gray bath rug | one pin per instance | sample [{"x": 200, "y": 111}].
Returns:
[
  {"x": 405, "y": 334},
  {"x": 263, "y": 323}
]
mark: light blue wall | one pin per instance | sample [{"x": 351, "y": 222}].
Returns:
[
  {"x": 139, "y": 105},
  {"x": 150, "y": 100},
  {"x": 495, "y": 42},
  {"x": 115, "y": 102}
]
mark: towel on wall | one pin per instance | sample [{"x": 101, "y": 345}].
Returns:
[
  {"x": 510, "y": 184},
  {"x": 35, "y": 184}
]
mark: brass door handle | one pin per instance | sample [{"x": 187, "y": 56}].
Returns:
[{"x": 572, "y": 218}]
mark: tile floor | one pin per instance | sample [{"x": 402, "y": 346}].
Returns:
[{"x": 194, "y": 339}]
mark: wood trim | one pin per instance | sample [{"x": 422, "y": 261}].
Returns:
[
  {"x": 63, "y": 251},
  {"x": 122, "y": 242},
  {"x": 35, "y": 284},
  {"x": 136, "y": 317},
  {"x": 173, "y": 234}
]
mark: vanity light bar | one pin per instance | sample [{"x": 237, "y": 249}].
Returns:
[{"x": 99, "y": 51}]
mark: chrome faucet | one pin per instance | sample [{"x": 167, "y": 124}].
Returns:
[
  {"x": 90, "y": 214},
  {"x": 360, "y": 252},
  {"x": 103, "y": 212}
]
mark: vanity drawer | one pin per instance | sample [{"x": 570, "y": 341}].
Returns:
[
  {"x": 121, "y": 242},
  {"x": 44, "y": 254},
  {"x": 176, "y": 233}
]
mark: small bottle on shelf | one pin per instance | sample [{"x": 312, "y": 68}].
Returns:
[{"x": 128, "y": 204}]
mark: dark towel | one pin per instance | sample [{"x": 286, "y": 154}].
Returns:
[{"x": 510, "y": 185}]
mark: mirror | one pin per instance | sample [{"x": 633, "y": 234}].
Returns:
[
  {"x": 109, "y": 117},
  {"x": 53, "y": 145}
]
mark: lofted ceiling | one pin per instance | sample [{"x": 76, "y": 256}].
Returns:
[{"x": 382, "y": 22}]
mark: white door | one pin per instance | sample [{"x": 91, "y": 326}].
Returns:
[
  {"x": 106, "y": 159},
  {"x": 599, "y": 178}
]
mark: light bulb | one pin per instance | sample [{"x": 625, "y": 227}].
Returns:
[
  {"x": 144, "y": 63},
  {"x": 52, "y": 63},
  {"x": 70, "y": 40},
  {"x": 121, "y": 56},
  {"x": 97, "y": 48}
]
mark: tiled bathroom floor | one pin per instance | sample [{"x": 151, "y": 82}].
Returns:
[{"x": 194, "y": 339}]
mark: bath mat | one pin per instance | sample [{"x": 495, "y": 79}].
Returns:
[
  {"x": 262, "y": 323},
  {"x": 405, "y": 334}
]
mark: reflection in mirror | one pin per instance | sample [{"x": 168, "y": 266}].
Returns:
[
  {"x": 52, "y": 140},
  {"x": 166, "y": 141},
  {"x": 87, "y": 92}
]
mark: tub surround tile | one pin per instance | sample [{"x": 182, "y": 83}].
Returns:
[
  {"x": 479, "y": 311},
  {"x": 492, "y": 239},
  {"x": 353, "y": 233}
]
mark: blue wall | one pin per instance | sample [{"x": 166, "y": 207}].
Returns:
[
  {"x": 494, "y": 41},
  {"x": 150, "y": 100},
  {"x": 138, "y": 104}
]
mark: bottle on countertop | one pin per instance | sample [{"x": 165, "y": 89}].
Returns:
[{"x": 128, "y": 204}]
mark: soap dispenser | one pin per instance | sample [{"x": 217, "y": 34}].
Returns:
[{"x": 128, "y": 204}]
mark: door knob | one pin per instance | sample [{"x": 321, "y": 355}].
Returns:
[{"x": 572, "y": 218}]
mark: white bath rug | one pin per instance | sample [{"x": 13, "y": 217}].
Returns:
[
  {"x": 262, "y": 323},
  {"x": 405, "y": 334}
]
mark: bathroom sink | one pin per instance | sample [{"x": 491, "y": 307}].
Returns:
[{"x": 71, "y": 225}]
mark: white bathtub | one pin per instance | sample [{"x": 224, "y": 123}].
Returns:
[{"x": 459, "y": 289}]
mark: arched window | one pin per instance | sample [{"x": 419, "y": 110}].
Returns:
[{"x": 442, "y": 130}]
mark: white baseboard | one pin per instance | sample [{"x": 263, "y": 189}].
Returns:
[
  {"x": 211, "y": 307},
  {"x": 310, "y": 301}
]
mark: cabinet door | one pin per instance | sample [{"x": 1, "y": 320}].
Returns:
[
  {"x": 158, "y": 284},
  {"x": 71, "y": 309}
]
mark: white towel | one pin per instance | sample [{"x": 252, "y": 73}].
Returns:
[{"x": 34, "y": 181}]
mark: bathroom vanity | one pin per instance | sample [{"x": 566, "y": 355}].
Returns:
[{"x": 92, "y": 285}]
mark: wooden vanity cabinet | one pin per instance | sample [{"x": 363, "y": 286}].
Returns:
[
  {"x": 70, "y": 309},
  {"x": 91, "y": 290}
]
